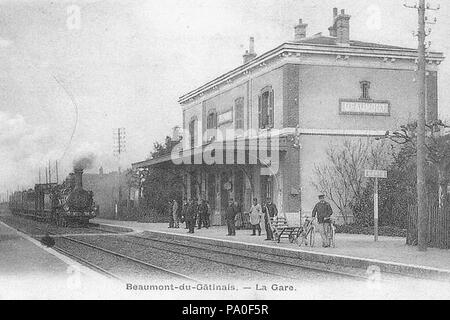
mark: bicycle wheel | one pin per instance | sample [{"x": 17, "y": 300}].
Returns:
[{"x": 312, "y": 236}]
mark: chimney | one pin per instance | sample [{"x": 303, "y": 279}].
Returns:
[
  {"x": 300, "y": 30},
  {"x": 176, "y": 133},
  {"x": 250, "y": 54},
  {"x": 341, "y": 27},
  {"x": 78, "y": 178}
]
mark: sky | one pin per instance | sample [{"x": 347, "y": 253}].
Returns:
[{"x": 73, "y": 71}]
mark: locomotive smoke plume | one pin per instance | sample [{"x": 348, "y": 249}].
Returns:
[{"x": 84, "y": 162}]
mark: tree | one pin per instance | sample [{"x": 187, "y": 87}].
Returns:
[
  {"x": 162, "y": 149},
  {"x": 157, "y": 184},
  {"x": 341, "y": 179},
  {"x": 437, "y": 144}
]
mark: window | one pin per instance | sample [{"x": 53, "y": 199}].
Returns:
[
  {"x": 265, "y": 108},
  {"x": 193, "y": 131},
  {"x": 211, "y": 124},
  {"x": 211, "y": 120},
  {"x": 239, "y": 113},
  {"x": 365, "y": 86}
]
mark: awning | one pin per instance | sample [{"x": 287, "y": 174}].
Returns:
[{"x": 239, "y": 151}]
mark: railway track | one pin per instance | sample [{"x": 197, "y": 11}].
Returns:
[
  {"x": 171, "y": 273},
  {"x": 241, "y": 257},
  {"x": 163, "y": 246},
  {"x": 211, "y": 255},
  {"x": 102, "y": 270}
]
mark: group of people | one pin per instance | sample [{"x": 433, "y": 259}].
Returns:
[
  {"x": 191, "y": 212},
  {"x": 256, "y": 215}
]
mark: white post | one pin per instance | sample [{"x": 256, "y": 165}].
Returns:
[{"x": 375, "y": 209}]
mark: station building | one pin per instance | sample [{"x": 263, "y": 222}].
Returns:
[{"x": 299, "y": 97}]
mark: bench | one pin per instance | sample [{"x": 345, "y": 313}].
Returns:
[{"x": 281, "y": 229}]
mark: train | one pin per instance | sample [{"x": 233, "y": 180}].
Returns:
[{"x": 66, "y": 204}]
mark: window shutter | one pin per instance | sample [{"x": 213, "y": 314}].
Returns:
[
  {"x": 260, "y": 115},
  {"x": 271, "y": 109}
]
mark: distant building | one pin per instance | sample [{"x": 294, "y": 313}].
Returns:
[
  {"x": 323, "y": 88},
  {"x": 109, "y": 189}
]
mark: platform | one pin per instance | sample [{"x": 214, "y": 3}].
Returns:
[
  {"x": 29, "y": 270},
  {"x": 352, "y": 250}
]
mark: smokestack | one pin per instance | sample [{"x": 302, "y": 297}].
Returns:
[
  {"x": 341, "y": 27},
  {"x": 78, "y": 178},
  {"x": 300, "y": 30},
  {"x": 250, "y": 53}
]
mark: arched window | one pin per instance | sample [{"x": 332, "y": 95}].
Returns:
[
  {"x": 211, "y": 120},
  {"x": 193, "y": 131},
  {"x": 266, "y": 108},
  {"x": 239, "y": 113},
  {"x": 365, "y": 86}
]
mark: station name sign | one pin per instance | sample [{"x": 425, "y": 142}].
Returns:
[{"x": 360, "y": 107}]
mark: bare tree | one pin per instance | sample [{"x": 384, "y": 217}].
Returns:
[{"x": 341, "y": 179}]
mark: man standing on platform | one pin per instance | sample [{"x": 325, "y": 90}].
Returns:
[
  {"x": 255, "y": 217},
  {"x": 169, "y": 211},
  {"x": 203, "y": 214},
  {"x": 176, "y": 223},
  {"x": 230, "y": 217},
  {"x": 191, "y": 214},
  {"x": 184, "y": 211},
  {"x": 323, "y": 212}
]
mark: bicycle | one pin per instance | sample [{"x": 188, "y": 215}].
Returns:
[{"x": 308, "y": 232}]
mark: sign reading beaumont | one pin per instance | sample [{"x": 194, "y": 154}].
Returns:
[{"x": 381, "y": 108}]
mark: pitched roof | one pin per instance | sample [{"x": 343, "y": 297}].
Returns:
[{"x": 316, "y": 44}]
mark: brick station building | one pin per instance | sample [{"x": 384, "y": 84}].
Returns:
[{"x": 323, "y": 89}]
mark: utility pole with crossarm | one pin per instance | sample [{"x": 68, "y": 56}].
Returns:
[{"x": 422, "y": 214}]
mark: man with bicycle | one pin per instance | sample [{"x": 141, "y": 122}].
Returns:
[{"x": 323, "y": 212}]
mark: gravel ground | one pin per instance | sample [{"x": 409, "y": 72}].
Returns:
[
  {"x": 227, "y": 256},
  {"x": 179, "y": 262}
]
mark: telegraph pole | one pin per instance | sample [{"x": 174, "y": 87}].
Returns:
[
  {"x": 119, "y": 143},
  {"x": 119, "y": 148},
  {"x": 49, "y": 172},
  {"x": 56, "y": 168},
  {"x": 422, "y": 212},
  {"x": 422, "y": 217}
]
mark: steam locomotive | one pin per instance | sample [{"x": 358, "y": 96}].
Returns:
[{"x": 66, "y": 204}]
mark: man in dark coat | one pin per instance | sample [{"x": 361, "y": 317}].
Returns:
[
  {"x": 323, "y": 212},
  {"x": 230, "y": 215},
  {"x": 191, "y": 214},
  {"x": 203, "y": 214},
  {"x": 270, "y": 211},
  {"x": 169, "y": 211}
]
